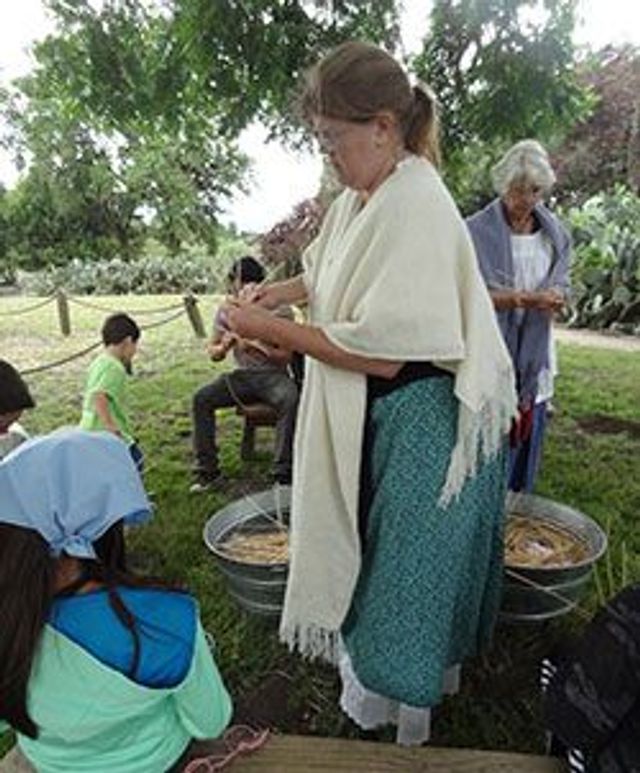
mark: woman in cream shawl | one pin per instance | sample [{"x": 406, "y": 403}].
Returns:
[{"x": 399, "y": 470}]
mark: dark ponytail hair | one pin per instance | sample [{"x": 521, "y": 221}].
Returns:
[
  {"x": 110, "y": 572},
  {"x": 27, "y": 591},
  {"x": 27, "y": 581}
]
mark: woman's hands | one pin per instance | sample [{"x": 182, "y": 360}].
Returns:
[
  {"x": 249, "y": 320},
  {"x": 545, "y": 300},
  {"x": 542, "y": 300},
  {"x": 262, "y": 295},
  {"x": 271, "y": 296},
  {"x": 550, "y": 301}
]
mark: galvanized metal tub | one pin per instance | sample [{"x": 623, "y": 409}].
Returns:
[
  {"x": 257, "y": 587},
  {"x": 541, "y": 593}
]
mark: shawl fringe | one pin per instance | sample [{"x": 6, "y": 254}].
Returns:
[
  {"x": 312, "y": 641},
  {"x": 481, "y": 435}
]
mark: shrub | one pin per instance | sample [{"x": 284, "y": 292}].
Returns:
[
  {"x": 149, "y": 275},
  {"x": 284, "y": 244},
  {"x": 606, "y": 261}
]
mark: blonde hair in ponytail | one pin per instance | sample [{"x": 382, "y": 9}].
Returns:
[
  {"x": 357, "y": 80},
  {"x": 422, "y": 129}
]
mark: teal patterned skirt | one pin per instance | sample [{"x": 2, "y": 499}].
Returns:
[{"x": 430, "y": 583}]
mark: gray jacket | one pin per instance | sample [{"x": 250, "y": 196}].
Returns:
[{"x": 526, "y": 336}]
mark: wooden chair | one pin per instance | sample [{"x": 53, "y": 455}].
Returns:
[
  {"x": 255, "y": 415},
  {"x": 263, "y": 415}
]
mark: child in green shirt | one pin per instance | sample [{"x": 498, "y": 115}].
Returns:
[{"x": 104, "y": 404}]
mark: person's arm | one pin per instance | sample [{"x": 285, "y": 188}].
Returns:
[
  {"x": 202, "y": 701},
  {"x": 271, "y": 296},
  {"x": 542, "y": 300},
  {"x": 101, "y": 402},
  {"x": 506, "y": 299},
  {"x": 274, "y": 354},
  {"x": 254, "y": 322},
  {"x": 219, "y": 345}
]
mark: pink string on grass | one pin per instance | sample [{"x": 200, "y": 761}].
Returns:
[{"x": 237, "y": 740}]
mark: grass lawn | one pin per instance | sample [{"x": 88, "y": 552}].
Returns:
[{"x": 592, "y": 462}]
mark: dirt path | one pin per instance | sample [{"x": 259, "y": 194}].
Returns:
[{"x": 597, "y": 340}]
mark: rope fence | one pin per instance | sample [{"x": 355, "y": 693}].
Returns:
[
  {"x": 133, "y": 312},
  {"x": 187, "y": 307},
  {"x": 26, "y": 310},
  {"x": 160, "y": 322},
  {"x": 62, "y": 361}
]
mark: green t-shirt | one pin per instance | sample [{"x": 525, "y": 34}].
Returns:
[{"x": 106, "y": 374}]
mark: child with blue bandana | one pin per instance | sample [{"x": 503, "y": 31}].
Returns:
[{"x": 100, "y": 670}]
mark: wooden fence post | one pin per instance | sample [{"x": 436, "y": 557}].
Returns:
[
  {"x": 63, "y": 312},
  {"x": 193, "y": 312}
]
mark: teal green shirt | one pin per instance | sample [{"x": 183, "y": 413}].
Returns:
[
  {"x": 93, "y": 719},
  {"x": 106, "y": 374}
]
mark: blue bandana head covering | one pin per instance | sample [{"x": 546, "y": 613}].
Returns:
[{"x": 70, "y": 487}]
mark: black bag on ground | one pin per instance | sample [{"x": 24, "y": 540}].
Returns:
[{"x": 592, "y": 703}]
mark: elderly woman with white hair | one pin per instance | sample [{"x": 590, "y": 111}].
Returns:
[{"x": 523, "y": 251}]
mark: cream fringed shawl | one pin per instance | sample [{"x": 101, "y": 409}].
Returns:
[{"x": 396, "y": 279}]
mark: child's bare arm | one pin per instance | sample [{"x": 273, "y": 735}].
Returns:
[
  {"x": 219, "y": 345},
  {"x": 102, "y": 409}
]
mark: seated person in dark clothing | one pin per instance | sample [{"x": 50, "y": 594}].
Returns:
[
  {"x": 592, "y": 691},
  {"x": 261, "y": 375}
]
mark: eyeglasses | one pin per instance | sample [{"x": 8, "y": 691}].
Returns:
[
  {"x": 525, "y": 191},
  {"x": 329, "y": 139}
]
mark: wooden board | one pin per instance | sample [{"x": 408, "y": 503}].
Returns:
[{"x": 307, "y": 754}]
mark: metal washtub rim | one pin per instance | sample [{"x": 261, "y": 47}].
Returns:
[
  {"x": 542, "y": 501},
  {"x": 511, "y": 581},
  {"x": 236, "y": 504}
]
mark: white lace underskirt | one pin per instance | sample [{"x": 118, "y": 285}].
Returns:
[{"x": 369, "y": 709}]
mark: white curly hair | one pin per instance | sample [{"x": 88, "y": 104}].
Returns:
[{"x": 525, "y": 162}]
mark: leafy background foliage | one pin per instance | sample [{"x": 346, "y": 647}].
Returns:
[
  {"x": 127, "y": 131},
  {"x": 606, "y": 267},
  {"x": 603, "y": 149},
  {"x": 128, "y": 125}
]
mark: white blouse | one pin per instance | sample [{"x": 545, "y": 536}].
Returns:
[{"x": 532, "y": 255}]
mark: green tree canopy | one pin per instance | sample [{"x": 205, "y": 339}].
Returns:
[
  {"x": 159, "y": 92},
  {"x": 502, "y": 70},
  {"x": 129, "y": 122}
]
